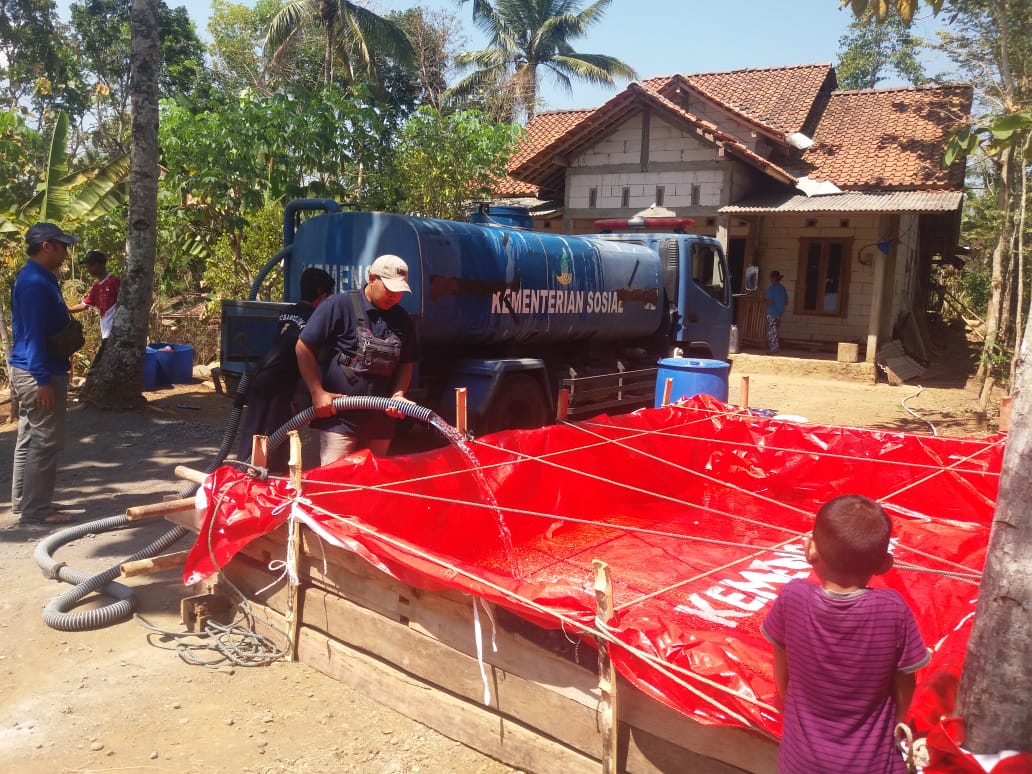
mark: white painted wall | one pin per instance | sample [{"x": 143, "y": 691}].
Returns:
[{"x": 668, "y": 146}]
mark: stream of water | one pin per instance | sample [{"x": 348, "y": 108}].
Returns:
[{"x": 456, "y": 439}]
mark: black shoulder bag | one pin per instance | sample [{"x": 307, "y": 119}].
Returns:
[{"x": 67, "y": 341}]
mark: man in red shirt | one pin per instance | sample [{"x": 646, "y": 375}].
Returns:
[{"x": 102, "y": 296}]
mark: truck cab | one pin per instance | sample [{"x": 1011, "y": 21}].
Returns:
[{"x": 697, "y": 287}]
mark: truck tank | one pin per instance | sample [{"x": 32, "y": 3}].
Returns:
[{"x": 476, "y": 283}]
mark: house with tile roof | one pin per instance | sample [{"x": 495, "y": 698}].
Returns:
[{"x": 843, "y": 192}]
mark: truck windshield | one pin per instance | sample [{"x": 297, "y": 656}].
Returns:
[{"x": 708, "y": 271}]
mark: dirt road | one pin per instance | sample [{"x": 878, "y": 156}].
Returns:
[{"x": 122, "y": 699}]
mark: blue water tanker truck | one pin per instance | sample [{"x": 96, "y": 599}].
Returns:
[{"x": 514, "y": 316}]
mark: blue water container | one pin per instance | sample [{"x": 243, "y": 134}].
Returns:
[
  {"x": 150, "y": 369},
  {"x": 692, "y": 377},
  {"x": 174, "y": 363},
  {"x": 516, "y": 217}
]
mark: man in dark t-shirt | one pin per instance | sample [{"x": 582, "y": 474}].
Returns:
[
  {"x": 360, "y": 343},
  {"x": 270, "y": 397}
]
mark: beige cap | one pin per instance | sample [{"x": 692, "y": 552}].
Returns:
[{"x": 393, "y": 271}]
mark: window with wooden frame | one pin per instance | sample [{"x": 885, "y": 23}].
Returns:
[{"x": 823, "y": 276}]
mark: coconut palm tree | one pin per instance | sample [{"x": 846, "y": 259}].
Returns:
[
  {"x": 525, "y": 35},
  {"x": 355, "y": 34}
]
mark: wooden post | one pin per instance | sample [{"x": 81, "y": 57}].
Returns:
[
  {"x": 1005, "y": 412},
  {"x": 877, "y": 296},
  {"x": 608, "y": 718},
  {"x": 294, "y": 558},
  {"x": 743, "y": 393},
  {"x": 189, "y": 474},
  {"x": 461, "y": 417},
  {"x": 562, "y": 408},
  {"x": 158, "y": 510},
  {"x": 260, "y": 451},
  {"x": 154, "y": 564},
  {"x": 668, "y": 389}
]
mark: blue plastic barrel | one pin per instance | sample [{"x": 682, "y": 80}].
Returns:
[
  {"x": 150, "y": 369},
  {"x": 517, "y": 217},
  {"x": 692, "y": 377},
  {"x": 174, "y": 363}
]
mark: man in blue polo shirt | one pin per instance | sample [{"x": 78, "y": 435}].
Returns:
[{"x": 39, "y": 377}]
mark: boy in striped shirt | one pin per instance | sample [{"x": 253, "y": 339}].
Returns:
[{"x": 844, "y": 654}]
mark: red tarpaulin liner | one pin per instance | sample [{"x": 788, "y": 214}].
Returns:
[{"x": 699, "y": 510}]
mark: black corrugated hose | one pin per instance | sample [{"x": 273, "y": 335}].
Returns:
[{"x": 56, "y": 615}]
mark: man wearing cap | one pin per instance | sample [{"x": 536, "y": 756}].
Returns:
[
  {"x": 39, "y": 377},
  {"x": 102, "y": 295},
  {"x": 360, "y": 343}
]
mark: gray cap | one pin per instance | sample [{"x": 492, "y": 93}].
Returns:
[{"x": 39, "y": 233}]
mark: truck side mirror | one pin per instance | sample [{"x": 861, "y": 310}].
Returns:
[{"x": 752, "y": 278}]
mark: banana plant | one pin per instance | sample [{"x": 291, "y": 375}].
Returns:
[{"x": 68, "y": 198}]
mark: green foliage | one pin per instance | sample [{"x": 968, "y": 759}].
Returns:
[
  {"x": 226, "y": 165},
  {"x": 18, "y": 148},
  {"x": 867, "y": 10},
  {"x": 38, "y": 66},
  {"x": 229, "y": 275},
  {"x": 867, "y": 51},
  {"x": 352, "y": 34},
  {"x": 228, "y": 161},
  {"x": 444, "y": 161},
  {"x": 237, "y": 58},
  {"x": 69, "y": 198},
  {"x": 524, "y": 35},
  {"x": 434, "y": 38},
  {"x": 102, "y": 29},
  {"x": 998, "y": 133}
]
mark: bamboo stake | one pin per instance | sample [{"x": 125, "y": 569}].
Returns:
[
  {"x": 563, "y": 407},
  {"x": 260, "y": 450},
  {"x": 743, "y": 393},
  {"x": 294, "y": 558},
  {"x": 606, "y": 671},
  {"x": 668, "y": 389},
  {"x": 461, "y": 418},
  {"x": 154, "y": 564},
  {"x": 189, "y": 474},
  {"x": 1006, "y": 403},
  {"x": 157, "y": 510}
]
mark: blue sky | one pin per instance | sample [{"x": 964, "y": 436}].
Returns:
[{"x": 662, "y": 37}]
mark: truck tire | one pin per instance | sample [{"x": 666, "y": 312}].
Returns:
[{"x": 519, "y": 404}]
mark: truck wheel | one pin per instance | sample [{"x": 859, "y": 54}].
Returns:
[{"x": 519, "y": 404}]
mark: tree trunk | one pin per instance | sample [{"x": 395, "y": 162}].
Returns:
[
  {"x": 331, "y": 30},
  {"x": 117, "y": 379},
  {"x": 994, "y": 337},
  {"x": 997, "y": 680},
  {"x": 1026, "y": 149}
]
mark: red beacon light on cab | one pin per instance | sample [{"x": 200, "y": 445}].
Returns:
[{"x": 617, "y": 224}]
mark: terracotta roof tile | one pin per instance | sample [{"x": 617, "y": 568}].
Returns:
[
  {"x": 873, "y": 139},
  {"x": 543, "y": 128},
  {"x": 888, "y": 138},
  {"x": 777, "y": 97},
  {"x": 541, "y": 131},
  {"x": 509, "y": 187}
]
